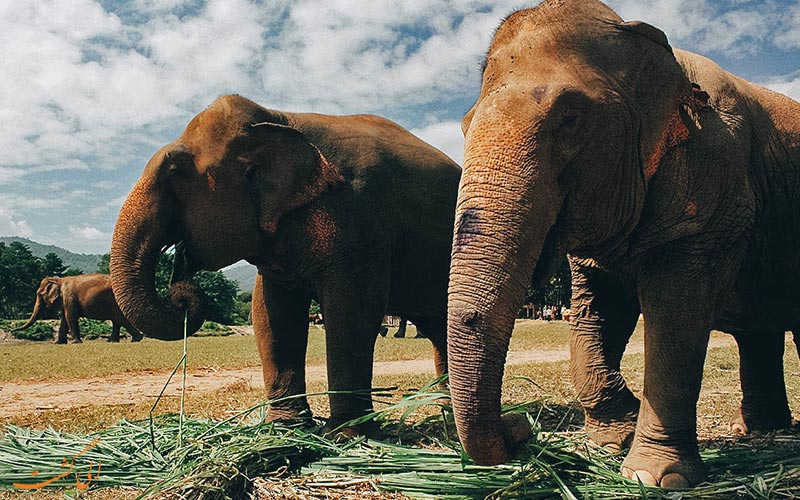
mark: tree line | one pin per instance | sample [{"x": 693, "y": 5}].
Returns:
[{"x": 21, "y": 272}]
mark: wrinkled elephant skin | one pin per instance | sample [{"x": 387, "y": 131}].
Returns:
[
  {"x": 352, "y": 211},
  {"x": 671, "y": 184}
]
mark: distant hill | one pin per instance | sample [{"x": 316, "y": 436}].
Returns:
[
  {"x": 244, "y": 275},
  {"x": 85, "y": 262}
]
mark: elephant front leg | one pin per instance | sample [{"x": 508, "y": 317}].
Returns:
[
  {"x": 280, "y": 324},
  {"x": 677, "y": 327},
  {"x": 764, "y": 404},
  {"x": 351, "y": 326},
  {"x": 604, "y": 317}
]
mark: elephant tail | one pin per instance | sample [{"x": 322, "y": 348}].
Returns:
[
  {"x": 34, "y": 315},
  {"x": 796, "y": 337}
]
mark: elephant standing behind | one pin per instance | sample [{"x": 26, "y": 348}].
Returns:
[
  {"x": 85, "y": 295},
  {"x": 352, "y": 211},
  {"x": 673, "y": 184}
]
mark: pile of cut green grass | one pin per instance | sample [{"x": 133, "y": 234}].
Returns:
[{"x": 219, "y": 459}]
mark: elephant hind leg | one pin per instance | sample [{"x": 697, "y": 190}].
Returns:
[
  {"x": 435, "y": 330},
  {"x": 764, "y": 404},
  {"x": 114, "y": 332},
  {"x": 63, "y": 328}
]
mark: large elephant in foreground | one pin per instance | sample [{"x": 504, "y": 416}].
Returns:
[
  {"x": 673, "y": 185},
  {"x": 352, "y": 211},
  {"x": 72, "y": 297}
]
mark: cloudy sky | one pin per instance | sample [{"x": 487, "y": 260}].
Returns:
[{"x": 90, "y": 89}]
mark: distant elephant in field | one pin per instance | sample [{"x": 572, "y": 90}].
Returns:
[
  {"x": 674, "y": 187},
  {"x": 352, "y": 211},
  {"x": 73, "y": 297}
]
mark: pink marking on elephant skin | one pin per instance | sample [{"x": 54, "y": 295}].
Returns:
[
  {"x": 212, "y": 183},
  {"x": 672, "y": 134},
  {"x": 321, "y": 230},
  {"x": 691, "y": 209}
]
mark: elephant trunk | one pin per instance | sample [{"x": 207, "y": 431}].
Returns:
[
  {"x": 141, "y": 232},
  {"x": 37, "y": 307},
  {"x": 506, "y": 205}
]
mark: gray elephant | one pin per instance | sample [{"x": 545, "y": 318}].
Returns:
[
  {"x": 352, "y": 211},
  {"x": 73, "y": 297},
  {"x": 673, "y": 185}
]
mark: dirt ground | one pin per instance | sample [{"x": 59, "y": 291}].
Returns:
[{"x": 17, "y": 397}]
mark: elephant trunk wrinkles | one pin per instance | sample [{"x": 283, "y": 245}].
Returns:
[
  {"x": 505, "y": 209},
  {"x": 139, "y": 235},
  {"x": 34, "y": 315}
]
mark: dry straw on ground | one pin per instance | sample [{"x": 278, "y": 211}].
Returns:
[{"x": 247, "y": 456}]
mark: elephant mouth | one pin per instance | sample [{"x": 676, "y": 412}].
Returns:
[
  {"x": 549, "y": 259},
  {"x": 184, "y": 266}
]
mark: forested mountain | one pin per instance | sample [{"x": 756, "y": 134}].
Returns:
[{"x": 85, "y": 262}]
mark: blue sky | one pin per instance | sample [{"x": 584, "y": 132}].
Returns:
[{"x": 90, "y": 89}]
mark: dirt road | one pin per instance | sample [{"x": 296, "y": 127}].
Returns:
[{"x": 125, "y": 388}]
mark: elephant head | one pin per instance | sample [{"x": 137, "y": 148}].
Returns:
[
  {"x": 575, "y": 112},
  {"x": 48, "y": 299},
  {"x": 218, "y": 192}
]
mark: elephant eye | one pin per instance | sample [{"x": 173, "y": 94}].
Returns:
[
  {"x": 569, "y": 121},
  {"x": 250, "y": 171}
]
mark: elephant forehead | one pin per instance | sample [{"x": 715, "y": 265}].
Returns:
[{"x": 208, "y": 135}]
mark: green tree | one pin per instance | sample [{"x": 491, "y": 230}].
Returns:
[
  {"x": 103, "y": 265},
  {"x": 20, "y": 274},
  {"x": 52, "y": 265},
  {"x": 223, "y": 304},
  {"x": 557, "y": 290}
]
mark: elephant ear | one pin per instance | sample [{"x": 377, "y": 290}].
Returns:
[
  {"x": 52, "y": 292},
  {"x": 286, "y": 171}
]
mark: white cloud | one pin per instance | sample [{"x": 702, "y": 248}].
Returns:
[
  {"x": 11, "y": 227},
  {"x": 445, "y": 136},
  {"x": 788, "y": 85},
  {"x": 89, "y": 233},
  {"x": 734, "y": 28},
  {"x": 91, "y": 89},
  {"x": 338, "y": 58}
]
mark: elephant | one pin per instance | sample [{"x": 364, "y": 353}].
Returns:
[
  {"x": 352, "y": 211},
  {"x": 87, "y": 295},
  {"x": 670, "y": 182}
]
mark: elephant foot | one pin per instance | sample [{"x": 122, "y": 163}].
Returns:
[
  {"x": 115, "y": 340},
  {"x": 77, "y": 341},
  {"x": 289, "y": 414},
  {"x": 659, "y": 465},
  {"x": 336, "y": 429},
  {"x": 613, "y": 434},
  {"x": 613, "y": 425},
  {"x": 767, "y": 420},
  {"x": 136, "y": 338}
]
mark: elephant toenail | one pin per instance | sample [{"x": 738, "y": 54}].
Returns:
[
  {"x": 674, "y": 481},
  {"x": 645, "y": 477}
]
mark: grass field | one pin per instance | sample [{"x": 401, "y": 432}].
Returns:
[
  {"x": 24, "y": 361},
  {"x": 551, "y": 388}
]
